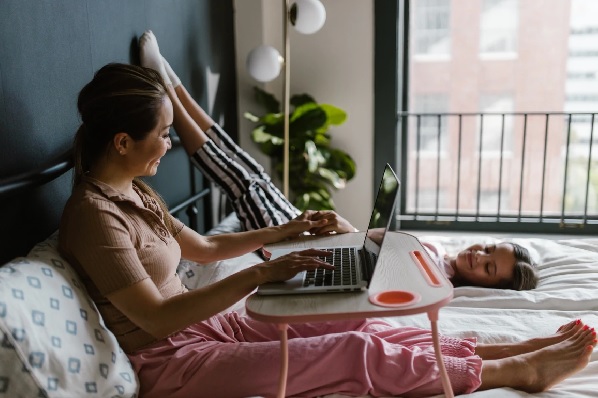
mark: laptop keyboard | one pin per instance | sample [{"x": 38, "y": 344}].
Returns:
[{"x": 344, "y": 273}]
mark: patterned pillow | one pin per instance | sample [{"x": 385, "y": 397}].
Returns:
[{"x": 54, "y": 342}]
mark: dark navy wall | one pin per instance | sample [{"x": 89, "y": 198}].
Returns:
[{"x": 50, "y": 48}]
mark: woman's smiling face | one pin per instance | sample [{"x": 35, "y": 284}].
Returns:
[
  {"x": 485, "y": 265},
  {"x": 147, "y": 152}
]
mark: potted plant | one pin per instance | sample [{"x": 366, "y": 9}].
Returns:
[{"x": 315, "y": 167}]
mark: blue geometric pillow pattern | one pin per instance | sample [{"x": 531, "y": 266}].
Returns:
[{"x": 54, "y": 341}]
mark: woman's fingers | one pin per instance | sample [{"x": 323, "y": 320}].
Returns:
[
  {"x": 300, "y": 225},
  {"x": 334, "y": 223},
  {"x": 308, "y": 259},
  {"x": 288, "y": 266},
  {"x": 314, "y": 254}
]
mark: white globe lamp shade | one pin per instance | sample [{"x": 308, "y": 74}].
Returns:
[
  {"x": 264, "y": 63},
  {"x": 308, "y": 16}
]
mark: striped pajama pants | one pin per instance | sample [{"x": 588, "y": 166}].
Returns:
[{"x": 255, "y": 199}]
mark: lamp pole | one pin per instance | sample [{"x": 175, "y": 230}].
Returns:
[{"x": 286, "y": 88}]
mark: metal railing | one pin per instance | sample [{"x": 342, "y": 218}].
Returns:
[{"x": 510, "y": 172}]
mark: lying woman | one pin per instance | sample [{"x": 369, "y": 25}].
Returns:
[{"x": 120, "y": 238}]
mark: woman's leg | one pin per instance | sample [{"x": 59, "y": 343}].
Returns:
[
  {"x": 378, "y": 362},
  {"x": 255, "y": 199}
]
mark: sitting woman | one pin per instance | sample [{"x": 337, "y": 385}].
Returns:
[
  {"x": 258, "y": 203},
  {"x": 118, "y": 235}
]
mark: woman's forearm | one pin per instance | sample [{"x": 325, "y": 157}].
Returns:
[
  {"x": 145, "y": 306},
  {"x": 227, "y": 246},
  {"x": 200, "y": 304}
]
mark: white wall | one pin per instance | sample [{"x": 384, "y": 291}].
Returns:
[{"x": 335, "y": 66}]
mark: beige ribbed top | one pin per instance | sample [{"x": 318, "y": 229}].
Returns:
[{"x": 113, "y": 243}]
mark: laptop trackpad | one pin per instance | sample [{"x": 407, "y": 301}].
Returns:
[{"x": 295, "y": 282}]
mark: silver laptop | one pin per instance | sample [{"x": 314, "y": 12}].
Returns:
[{"x": 354, "y": 263}]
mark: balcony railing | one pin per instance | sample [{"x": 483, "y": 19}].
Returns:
[{"x": 509, "y": 172}]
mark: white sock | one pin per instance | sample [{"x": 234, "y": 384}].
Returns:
[
  {"x": 149, "y": 53},
  {"x": 174, "y": 79}
]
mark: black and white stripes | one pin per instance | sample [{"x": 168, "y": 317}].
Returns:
[{"x": 255, "y": 199}]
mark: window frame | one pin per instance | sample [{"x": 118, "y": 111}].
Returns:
[{"x": 391, "y": 79}]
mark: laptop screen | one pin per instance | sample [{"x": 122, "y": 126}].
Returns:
[{"x": 383, "y": 211}]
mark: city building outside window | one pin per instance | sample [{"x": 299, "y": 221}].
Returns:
[
  {"x": 491, "y": 130},
  {"x": 431, "y": 125},
  {"x": 498, "y": 27},
  {"x": 432, "y": 34}
]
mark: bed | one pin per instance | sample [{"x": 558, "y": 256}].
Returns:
[
  {"x": 50, "y": 327},
  {"x": 568, "y": 290}
]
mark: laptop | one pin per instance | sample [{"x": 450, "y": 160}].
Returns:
[{"x": 354, "y": 263}]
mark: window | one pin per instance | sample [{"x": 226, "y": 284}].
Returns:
[
  {"x": 431, "y": 125},
  {"x": 498, "y": 27},
  {"x": 427, "y": 199},
  {"x": 583, "y": 135},
  {"x": 431, "y": 35},
  {"x": 494, "y": 106},
  {"x": 489, "y": 201},
  {"x": 501, "y": 87}
]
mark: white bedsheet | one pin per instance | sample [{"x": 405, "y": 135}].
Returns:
[{"x": 568, "y": 290}]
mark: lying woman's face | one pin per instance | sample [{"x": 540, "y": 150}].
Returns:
[{"x": 485, "y": 265}]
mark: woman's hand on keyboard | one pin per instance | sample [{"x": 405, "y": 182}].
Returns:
[{"x": 286, "y": 267}]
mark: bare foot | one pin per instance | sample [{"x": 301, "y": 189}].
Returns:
[
  {"x": 538, "y": 371},
  {"x": 569, "y": 326},
  {"x": 563, "y": 333},
  {"x": 505, "y": 350}
]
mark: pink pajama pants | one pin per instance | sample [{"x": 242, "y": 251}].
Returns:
[{"x": 234, "y": 356}]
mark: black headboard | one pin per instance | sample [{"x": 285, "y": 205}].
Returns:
[{"x": 50, "y": 49}]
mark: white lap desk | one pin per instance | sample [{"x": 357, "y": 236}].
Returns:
[{"x": 397, "y": 270}]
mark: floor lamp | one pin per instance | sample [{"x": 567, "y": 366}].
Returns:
[{"x": 265, "y": 62}]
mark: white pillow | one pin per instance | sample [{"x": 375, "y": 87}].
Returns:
[{"x": 54, "y": 341}]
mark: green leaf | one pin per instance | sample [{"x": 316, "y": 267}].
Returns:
[
  {"x": 301, "y": 99},
  {"x": 276, "y": 129},
  {"x": 302, "y": 110},
  {"x": 314, "y": 157},
  {"x": 251, "y": 117},
  {"x": 342, "y": 162},
  {"x": 267, "y": 100},
  {"x": 272, "y": 118},
  {"x": 332, "y": 176},
  {"x": 334, "y": 116},
  {"x": 307, "y": 121},
  {"x": 259, "y": 136},
  {"x": 322, "y": 140},
  {"x": 314, "y": 201},
  {"x": 268, "y": 144}
]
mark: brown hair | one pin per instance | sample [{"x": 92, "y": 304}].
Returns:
[
  {"x": 525, "y": 275},
  {"x": 119, "y": 98}
]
